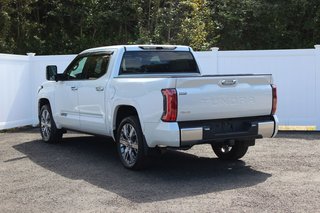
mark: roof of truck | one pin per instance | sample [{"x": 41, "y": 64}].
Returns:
[{"x": 140, "y": 47}]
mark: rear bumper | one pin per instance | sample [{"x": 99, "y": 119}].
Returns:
[
  {"x": 226, "y": 129},
  {"x": 180, "y": 134}
]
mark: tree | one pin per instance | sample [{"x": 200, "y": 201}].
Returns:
[
  {"x": 69, "y": 26},
  {"x": 261, "y": 24},
  {"x": 195, "y": 25}
]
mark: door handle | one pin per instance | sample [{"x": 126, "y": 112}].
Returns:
[
  {"x": 99, "y": 89},
  {"x": 73, "y": 88},
  {"x": 228, "y": 82}
]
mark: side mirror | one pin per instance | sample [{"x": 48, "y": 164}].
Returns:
[{"x": 51, "y": 72}]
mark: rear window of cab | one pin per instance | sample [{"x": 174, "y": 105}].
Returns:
[{"x": 157, "y": 62}]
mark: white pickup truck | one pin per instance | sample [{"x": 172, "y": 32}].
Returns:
[{"x": 148, "y": 97}]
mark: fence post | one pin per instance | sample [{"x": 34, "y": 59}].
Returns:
[
  {"x": 215, "y": 59},
  {"x": 317, "y": 87},
  {"x": 32, "y": 92}
]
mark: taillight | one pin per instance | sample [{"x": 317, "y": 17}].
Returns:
[
  {"x": 170, "y": 105},
  {"x": 274, "y": 99}
]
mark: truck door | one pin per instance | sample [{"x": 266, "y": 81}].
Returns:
[
  {"x": 66, "y": 95},
  {"x": 91, "y": 91}
]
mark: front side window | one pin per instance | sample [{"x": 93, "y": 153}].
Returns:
[
  {"x": 87, "y": 68},
  {"x": 149, "y": 62},
  {"x": 75, "y": 71}
]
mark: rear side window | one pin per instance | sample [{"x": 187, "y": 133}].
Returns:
[
  {"x": 157, "y": 62},
  {"x": 96, "y": 66}
]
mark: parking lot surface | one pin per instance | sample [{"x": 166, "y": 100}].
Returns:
[{"x": 83, "y": 174}]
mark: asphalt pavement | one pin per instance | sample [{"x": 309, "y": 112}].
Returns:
[{"x": 83, "y": 174}]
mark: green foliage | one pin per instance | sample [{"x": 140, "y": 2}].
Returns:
[
  {"x": 262, "y": 24},
  {"x": 69, "y": 26},
  {"x": 195, "y": 25}
]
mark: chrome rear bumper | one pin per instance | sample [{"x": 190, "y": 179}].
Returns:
[{"x": 266, "y": 128}]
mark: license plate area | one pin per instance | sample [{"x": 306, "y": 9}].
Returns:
[{"x": 227, "y": 128}]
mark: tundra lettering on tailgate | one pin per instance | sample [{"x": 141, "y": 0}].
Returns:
[{"x": 224, "y": 101}]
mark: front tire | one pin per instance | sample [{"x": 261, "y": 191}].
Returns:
[
  {"x": 48, "y": 128},
  {"x": 228, "y": 152},
  {"x": 130, "y": 144}
]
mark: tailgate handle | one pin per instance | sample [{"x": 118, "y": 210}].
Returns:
[{"x": 228, "y": 82}]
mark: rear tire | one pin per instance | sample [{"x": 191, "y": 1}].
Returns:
[
  {"x": 228, "y": 152},
  {"x": 48, "y": 128},
  {"x": 130, "y": 144}
]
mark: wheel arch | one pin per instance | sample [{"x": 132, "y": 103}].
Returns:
[
  {"x": 42, "y": 102},
  {"x": 121, "y": 112}
]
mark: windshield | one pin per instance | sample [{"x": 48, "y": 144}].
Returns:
[{"x": 144, "y": 62}]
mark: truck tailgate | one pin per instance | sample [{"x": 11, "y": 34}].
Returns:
[{"x": 217, "y": 97}]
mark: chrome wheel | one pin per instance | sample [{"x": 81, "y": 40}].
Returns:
[
  {"x": 45, "y": 124},
  {"x": 128, "y": 144},
  {"x": 48, "y": 128}
]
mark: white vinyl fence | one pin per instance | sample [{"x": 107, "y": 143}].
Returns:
[
  {"x": 20, "y": 78},
  {"x": 296, "y": 74}
]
